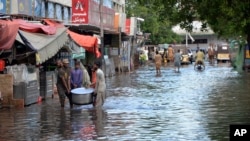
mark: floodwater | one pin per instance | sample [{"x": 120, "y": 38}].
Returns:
[{"x": 185, "y": 106}]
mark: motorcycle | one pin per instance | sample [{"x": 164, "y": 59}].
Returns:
[{"x": 199, "y": 66}]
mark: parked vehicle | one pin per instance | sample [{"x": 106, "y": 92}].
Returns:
[
  {"x": 190, "y": 55},
  {"x": 223, "y": 52},
  {"x": 187, "y": 55}
]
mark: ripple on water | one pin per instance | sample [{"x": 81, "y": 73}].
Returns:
[{"x": 186, "y": 106}]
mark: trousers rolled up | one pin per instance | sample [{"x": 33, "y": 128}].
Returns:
[{"x": 62, "y": 94}]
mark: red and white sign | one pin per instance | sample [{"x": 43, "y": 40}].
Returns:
[
  {"x": 80, "y": 11},
  {"x": 128, "y": 24},
  {"x": 88, "y": 12}
]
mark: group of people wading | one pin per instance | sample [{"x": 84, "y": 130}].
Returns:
[
  {"x": 175, "y": 57},
  {"x": 168, "y": 55},
  {"x": 68, "y": 79}
]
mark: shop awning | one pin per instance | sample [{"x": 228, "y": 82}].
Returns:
[
  {"x": 89, "y": 43},
  {"x": 45, "y": 45},
  {"x": 8, "y": 32},
  {"x": 76, "y": 51},
  {"x": 35, "y": 28},
  {"x": 53, "y": 23}
]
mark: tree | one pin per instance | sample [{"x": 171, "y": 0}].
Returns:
[
  {"x": 159, "y": 26},
  {"x": 228, "y": 18}
]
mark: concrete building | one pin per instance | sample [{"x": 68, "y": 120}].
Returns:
[{"x": 202, "y": 39}]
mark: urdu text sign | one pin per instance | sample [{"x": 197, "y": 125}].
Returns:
[
  {"x": 2, "y": 6},
  {"x": 80, "y": 11}
]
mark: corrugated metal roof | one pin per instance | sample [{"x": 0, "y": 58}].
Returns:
[{"x": 45, "y": 45}]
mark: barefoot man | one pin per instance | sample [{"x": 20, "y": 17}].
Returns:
[{"x": 158, "y": 60}]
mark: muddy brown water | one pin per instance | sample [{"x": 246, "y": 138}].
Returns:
[{"x": 185, "y": 106}]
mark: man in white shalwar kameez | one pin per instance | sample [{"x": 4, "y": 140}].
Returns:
[{"x": 100, "y": 86}]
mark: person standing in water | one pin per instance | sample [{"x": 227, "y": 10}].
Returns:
[
  {"x": 211, "y": 53},
  {"x": 165, "y": 57},
  {"x": 76, "y": 76},
  {"x": 158, "y": 61},
  {"x": 63, "y": 83},
  {"x": 177, "y": 61},
  {"x": 170, "y": 53},
  {"x": 100, "y": 85}
]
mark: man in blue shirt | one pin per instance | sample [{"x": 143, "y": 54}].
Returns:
[{"x": 76, "y": 76}]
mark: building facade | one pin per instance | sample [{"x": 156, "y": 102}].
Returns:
[{"x": 198, "y": 38}]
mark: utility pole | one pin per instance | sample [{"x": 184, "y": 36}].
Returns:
[
  {"x": 101, "y": 28},
  {"x": 102, "y": 37}
]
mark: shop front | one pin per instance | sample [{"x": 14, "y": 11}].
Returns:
[{"x": 34, "y": 45}]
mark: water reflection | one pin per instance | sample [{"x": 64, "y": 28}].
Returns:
[{"x": 88, "y": 124}]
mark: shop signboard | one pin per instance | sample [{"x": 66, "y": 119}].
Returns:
[
  {"x": 58, "y": 12},
  {"x": 66, "y": 3},
  {"x": 88, "y": 12},
  {"x": 120, "y": 21},
  {"x": 38, "y": 8},
  {"x": 114, "y": 51},
  {"x": 247, "y": 52},
  {"x": 66, "y": 14},
  {"x": 70, "y": 13},
  {"x": 247, "y": 56},
  {"x": 25, "y": 7},
  {"x": 128, "y": 23},
  {"x": 43, "y": 9},
  {"x": 117, "y": 21},
  {"x": 2, "y": 6},
  {"x": 80, "y": 12},
  {"x": 51, "y": 10}
]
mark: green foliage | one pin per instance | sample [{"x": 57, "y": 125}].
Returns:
[
  {"x": 156, "y": 20},
  {"x": 228, "y": 18}
]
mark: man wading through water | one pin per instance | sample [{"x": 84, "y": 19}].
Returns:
[
  {"x": 211, "y": 53},
  {"x": 100, "y": 86},
  {"x": 158, "y": 60},
  {"x": 63, "y": 83},
  {"x": 177, "y": 61}
]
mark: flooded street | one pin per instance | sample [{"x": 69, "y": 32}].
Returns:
[{"x": 185, "y": 106}]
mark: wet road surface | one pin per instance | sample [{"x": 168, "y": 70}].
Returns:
[{"x": 185, "y": 106}]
